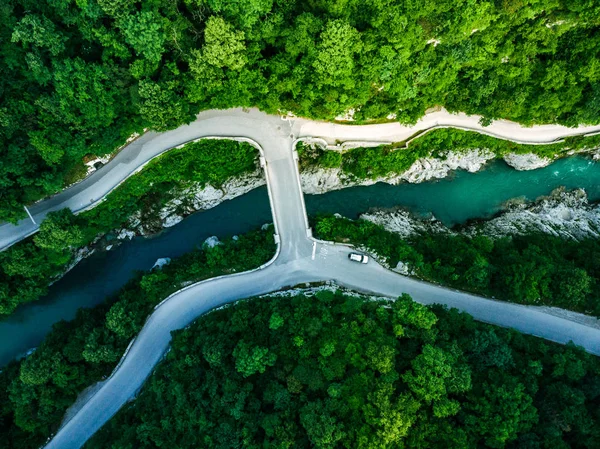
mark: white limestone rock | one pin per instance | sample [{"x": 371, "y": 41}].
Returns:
[
  {"x": 403, "y": 222},
  {"x": 161, "y": 262},
  {"x": 171, "y": 220},
  {"x": 202, "y": 197},
  {"x": 527, "y": 161},
  {"x": 563, "y": 214},
  {"x": 425, "y": 169},
  {"x": 316, "y": 180},
  {"x": 135, "y": 220},
  {"x": 211, "y": 242},
  {"x": 320, "y": 180},
  {"x": 125, "y": 234}
]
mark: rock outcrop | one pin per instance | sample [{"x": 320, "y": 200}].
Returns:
[
  {"x": 528, "y": 161},
  {"x": 403, "y": 222},
  {"x": 194, "y": 198},
  {"x": 317, "y": 180},
  {"x": 198, "y": 197},
  {"x": 563, "y": 214},
  {"x": 432, "y": 168}
]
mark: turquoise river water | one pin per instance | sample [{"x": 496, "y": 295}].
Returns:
[{"x": 452, "y": 200}]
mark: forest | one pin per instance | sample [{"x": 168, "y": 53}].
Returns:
[
  {"x": 36, "y": 391},
  {"x": 28, "y": 267},
  {"x": 79, "y": 77},
  {"x": 328, "y": 370},
  {"x": 535, "y": 269}
]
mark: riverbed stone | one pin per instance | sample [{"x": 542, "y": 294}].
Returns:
[{"x": 527, "y": 161}]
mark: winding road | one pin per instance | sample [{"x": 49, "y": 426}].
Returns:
[
  {"x": 299, "y": 258},
  {"x": 274, "y": 134}
]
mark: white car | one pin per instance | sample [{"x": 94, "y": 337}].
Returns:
[{"x": 360, "y": 258}]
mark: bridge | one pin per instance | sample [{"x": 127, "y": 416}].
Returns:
[{"x": 299, "y": 257}]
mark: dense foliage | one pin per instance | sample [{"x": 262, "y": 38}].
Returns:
[
  {"x": 78, "y": 77},
  {"x": 28, "y": 267},
  {"x": 537, "y": 269},
  {"x": 389, "y": 160},
  {"x": 36, "y": 391},
  {"x": 335, "y": 371}
]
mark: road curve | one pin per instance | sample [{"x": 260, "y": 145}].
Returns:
[
  {"x": 396, "y": 132},
  {"x": 152, "y": 342},
  {"x": 299, "y": 259},
  {"x": 330, "y": 263},
  {"x": 267, "y": 130}
]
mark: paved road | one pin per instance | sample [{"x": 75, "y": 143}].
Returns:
[
  {"x": 294, "y": 264},
  {"x": 274, "y": 135},
  {"x": 395, "y": 132},
  {"x": 330, "y": 262}
]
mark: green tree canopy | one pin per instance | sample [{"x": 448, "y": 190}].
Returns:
[
  {"x": 217, "y": 388},
  {"x": 223, "y": 45},
  {"x": 334, "y": 62},
  {"x": 144, "y": 32}
]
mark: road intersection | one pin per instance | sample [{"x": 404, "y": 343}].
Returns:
[{"x": 299, "y": 259}]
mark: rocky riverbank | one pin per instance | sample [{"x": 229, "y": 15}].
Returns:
[
  {"x": 194, "y": 198},
  {"x": 316, "y": 179},
  {"x": 564, "y": 214}
]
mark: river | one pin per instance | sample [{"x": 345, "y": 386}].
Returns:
[{"x": 453, "y": 200}]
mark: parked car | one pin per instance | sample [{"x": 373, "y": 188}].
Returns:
[{"x": 357, "y": 257}]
